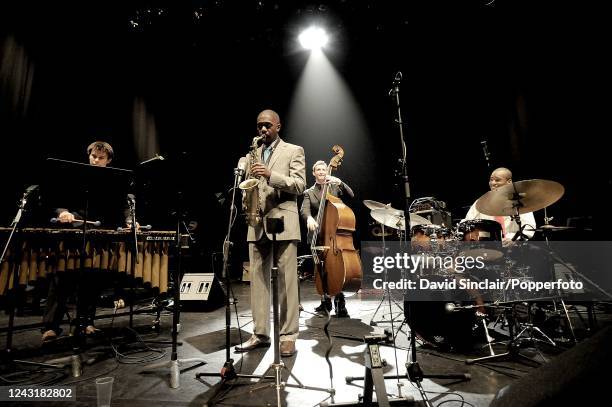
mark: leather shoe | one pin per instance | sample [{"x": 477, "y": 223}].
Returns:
[
  {"x": 287, "y": 348},
  {"x": 341, "y": 312},
  {"x": 324, "y": 304},
  {"x": 253, "y": 342},
  {"x": 49, "y": 335}
]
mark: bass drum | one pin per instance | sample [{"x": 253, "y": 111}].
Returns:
[
  {"x": 446, "y": 319},
  {"x": 443, "y": 325}
]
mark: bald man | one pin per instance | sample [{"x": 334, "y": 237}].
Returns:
[
  {"x": 282, "y": 170},
  {"x": 500, "y": 177}
]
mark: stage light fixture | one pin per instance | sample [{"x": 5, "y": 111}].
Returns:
[{"x": 313, "y": 38}]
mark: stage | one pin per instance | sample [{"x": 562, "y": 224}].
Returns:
[{"x": 203, "y": 336}]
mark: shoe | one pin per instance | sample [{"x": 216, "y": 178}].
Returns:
[
  {"x": 287, "y": 348},
  {"x": 49, "y": 336},
  {"x": 119, "y": 303},
  {"x": 253, "y": 343},
  {"x": 324, "y": 304},
  {"x": 91, "y": 330},
  {"x": 341, "y": 312},
  {"x": 340, "y": 305}
]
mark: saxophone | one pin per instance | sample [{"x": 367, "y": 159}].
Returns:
[{"x": 250, "y": 186}]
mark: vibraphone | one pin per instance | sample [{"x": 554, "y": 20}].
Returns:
[{"x": 44, "y": 251}]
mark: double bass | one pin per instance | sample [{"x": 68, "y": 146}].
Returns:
[{"x": 337, "y": 263}]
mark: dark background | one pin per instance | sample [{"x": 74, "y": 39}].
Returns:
[{"x": 529, "y": 80}]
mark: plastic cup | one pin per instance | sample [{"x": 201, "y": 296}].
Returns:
[{"x": 104, "y": 390}]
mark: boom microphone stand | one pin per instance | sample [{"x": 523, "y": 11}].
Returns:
[
  {"x": 414, "y": 372},
  {"x": 228, "y": 372}
]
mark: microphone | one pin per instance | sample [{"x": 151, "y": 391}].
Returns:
[
  {"x": 396, "y": 82},
  {"x": 91, "y": 222},
  {"x": 398, "y": 78},
  {"x": 156, "y": 158},
  {"x": 30, "y": 189},
  {"x": 240, "y": 169},
  {"x": 131, "y": 199},
  {"x": 485, "y": 151}
]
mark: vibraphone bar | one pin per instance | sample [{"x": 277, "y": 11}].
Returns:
[{"x": 45, "y": 250}]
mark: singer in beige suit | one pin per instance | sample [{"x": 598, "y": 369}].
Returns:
[{"x": 283, "y": 179}]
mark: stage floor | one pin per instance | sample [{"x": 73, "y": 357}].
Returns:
[{"x": 203, "y": 336}]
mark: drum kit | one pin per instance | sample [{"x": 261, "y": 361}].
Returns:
[{"x": 435, "y": 238}]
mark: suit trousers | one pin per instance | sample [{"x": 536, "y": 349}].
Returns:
[{"x": 260, "y": 256}]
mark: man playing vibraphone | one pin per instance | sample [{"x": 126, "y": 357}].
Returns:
[{"x": 62, "y": 284}]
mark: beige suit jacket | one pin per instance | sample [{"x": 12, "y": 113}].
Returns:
[{"x": 278, "y": 196}]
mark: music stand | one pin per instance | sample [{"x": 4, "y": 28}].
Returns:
[{"x": 108, "y": 185}]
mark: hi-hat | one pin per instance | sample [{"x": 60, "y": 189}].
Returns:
[
  {"x": 394, "y": 218},
  {"x": 371, "y": 205},
  {"x": 528, "y": 196}
]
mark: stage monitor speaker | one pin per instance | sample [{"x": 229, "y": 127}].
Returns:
[
  {"x": 201, "y": 291},
  {"x": 577, "y": 377}
]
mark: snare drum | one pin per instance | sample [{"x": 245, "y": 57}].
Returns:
[{"x": 480, "y": 229}]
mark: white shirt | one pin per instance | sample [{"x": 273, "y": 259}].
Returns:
[{"x": 510, "y": 226}]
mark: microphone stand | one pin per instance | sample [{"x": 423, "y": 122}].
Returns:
[
  {"x": 175, "y": 363},
  {"x": 413, "y": 371},
  {"x": 7, "y": 355},
  {"x": 132, "y": 209},
  {"x": 228, "y": 371},
  {"x": 486, "y": 153}
]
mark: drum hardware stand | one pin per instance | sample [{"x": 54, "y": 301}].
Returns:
[
  {"x": 387, "y": 294},
  {"x": 175, "y": 363},
  {"x": 228, "y": 371},
  {"x": 551, "y": 255},
  {"x": 513, "y": 345},
  {"x": 275, "y": 226},
  {"x": 7, "y": 355}
]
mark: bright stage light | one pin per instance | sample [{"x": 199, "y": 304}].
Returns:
[{"x": 313, "y": 38}]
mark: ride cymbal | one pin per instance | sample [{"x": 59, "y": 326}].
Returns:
[{"x": 527, "y": 196}]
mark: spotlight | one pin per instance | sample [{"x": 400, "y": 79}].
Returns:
[{"x": 313, "y": 38}]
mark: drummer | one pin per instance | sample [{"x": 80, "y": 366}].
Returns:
[{"x": 500, "y": 177}]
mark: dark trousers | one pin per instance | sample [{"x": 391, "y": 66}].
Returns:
[{"x": 62, "y": 286}]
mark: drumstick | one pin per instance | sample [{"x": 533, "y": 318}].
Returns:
[{"x": 91, "y": 222}]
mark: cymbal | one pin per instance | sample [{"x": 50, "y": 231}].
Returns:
[
  {"x": 371, "y": 205},
  {"x": 551, "y": 228},
  {"x": 394, "y": 218},
  {"x": 533, "y": 195}
]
